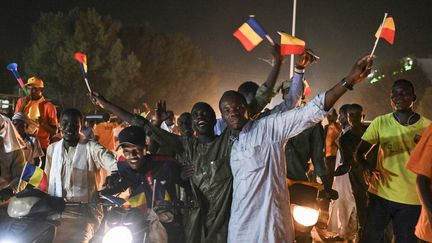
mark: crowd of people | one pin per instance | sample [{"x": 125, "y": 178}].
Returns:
[{"x": 227, "y": 179}]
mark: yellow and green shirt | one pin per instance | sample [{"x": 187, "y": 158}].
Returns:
[{"x": 397, "y": 142}]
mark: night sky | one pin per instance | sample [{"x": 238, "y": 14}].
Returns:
[{"x": 339, "y": 31}]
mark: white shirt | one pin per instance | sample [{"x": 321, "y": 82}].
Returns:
[
  {"x": 260, "y": 210},
  {"x": 77, "y": 175}
]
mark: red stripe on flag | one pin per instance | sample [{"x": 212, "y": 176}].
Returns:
[
  {"x": 247, "y": 44},
  {"x": 291, "y": 49},
  {"x": 43, "y": 184},
  {"x": 388, "y": 35}
]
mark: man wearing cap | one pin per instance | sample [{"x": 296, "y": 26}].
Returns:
[
  {"x": 37, "y": 109},
  {"x": 152, "y": 174},
  {"x": 33, "y": 149}
]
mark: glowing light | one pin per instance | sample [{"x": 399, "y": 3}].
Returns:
[
  {"x": 118, "y": 234},
  {"x": 305, "y": 216},
  {"x": 407, "y": 63}
]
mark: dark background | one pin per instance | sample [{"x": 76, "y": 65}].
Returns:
[{"x": 339, "y": 31}]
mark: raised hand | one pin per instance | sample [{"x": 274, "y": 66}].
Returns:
[
  {"x": 97, "y": 99},
  {"x": 307, "y": 58},
  {"x": 277, "y": 57},
  {"x": 161, "y": 112},
  {"x": 360, "y": 70}
]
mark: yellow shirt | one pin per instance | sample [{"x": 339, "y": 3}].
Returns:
[{"x": 397, "y": 142}]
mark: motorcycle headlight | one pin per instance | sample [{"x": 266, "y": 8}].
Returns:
[
  {"x": 118, "y": 234},
  {"x": 305, "y": 216}
]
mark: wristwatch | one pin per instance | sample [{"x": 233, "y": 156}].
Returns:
[{"x": 346, "y": 85}]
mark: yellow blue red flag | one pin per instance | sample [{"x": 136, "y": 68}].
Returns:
[{"x": 250, "y": 34}]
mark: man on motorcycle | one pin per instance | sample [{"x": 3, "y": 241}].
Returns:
[
  {"x": 71, "y": 167},
  {"x": 153, "y": 176}
]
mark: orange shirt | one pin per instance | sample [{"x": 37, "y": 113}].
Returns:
[
  {"x": 420, "y": 162},
  {"x": 333, "y": 131},
  {"x": 105, "y": 132},
  {"x": 48, "y": 113}
]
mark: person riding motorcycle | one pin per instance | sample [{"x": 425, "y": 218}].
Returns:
[{"x": 152, "y": 176}]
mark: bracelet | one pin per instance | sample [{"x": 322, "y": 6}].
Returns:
[
  {"x": 346, "y": 85},
  {"x": 298, "y": 70}
]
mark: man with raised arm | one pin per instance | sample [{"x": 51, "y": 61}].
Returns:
[{"x": 260, "y": 210}]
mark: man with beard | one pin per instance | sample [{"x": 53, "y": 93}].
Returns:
[
  {"x": 260, "y": 210},
  {"x": 71, "y": 168}
]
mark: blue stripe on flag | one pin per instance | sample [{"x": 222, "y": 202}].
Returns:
[
  {"x": 28, "y": 171},
  {"x": 256, "y": 27}
]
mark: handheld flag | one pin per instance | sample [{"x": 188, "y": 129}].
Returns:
[
  {"x": 13, "y": 67},
  {"x": 82, "y": 59},
  {"x": 291, "y": 45},
  {"x": 138, "y": 198},
  {"x": 250, "y": 34},
  {"x": 35, "y": 176},
  {"x": 387, "y": 30}
]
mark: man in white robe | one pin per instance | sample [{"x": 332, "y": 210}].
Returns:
[
  {"x": 71, "y": 167},
  {"x": 260, "y": 209}
]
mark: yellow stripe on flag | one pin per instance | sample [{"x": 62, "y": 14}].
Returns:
[
  {"x": 167, "y": 196},
  {"x": 249, "y": 33},
  {"x": 287, "y": 39},
  {"x": 36, "y": 177},
  {"x": 388, "y": 24},
  {"x": 137, "y": 200}
]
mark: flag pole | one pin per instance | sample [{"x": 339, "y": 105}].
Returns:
[
  {"x": 378, "y": 36},
  {"x": 85, "y": 78},
  {"x": 154, "y": 193},
  {"x": 20, "y": 180},
  {"x": 293, "y": 34}
]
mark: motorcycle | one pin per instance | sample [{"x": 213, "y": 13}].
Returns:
[
  {"x": 32, "y": 217},
  {"x": 127, "y": 224},
  {"x": 304, "y": 198}
]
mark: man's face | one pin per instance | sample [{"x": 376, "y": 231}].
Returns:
[
  {"x": 402, "y": 97},
  {"x": 185, "y": 125},
  {"x": 234, "y": 113},
  {"x": 20, "y": 126},
  {"x": 71, "y": 127},
  {"x": 355, "y": 118},
  {"x": 202, "y": 120},
  {"x": 134, "y": 155},
  {"x": 35, "y": 93},
  {"x": 343, "y": 119}
]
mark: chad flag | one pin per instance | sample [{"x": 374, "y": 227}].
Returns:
[
  {"x": 250, "y": 34},
  {"x": 291, "y": 45},
  {"x": 35, "y": 176},
  {"x": 387, "y": 31},
  {"x": 81, "y": 58}
]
